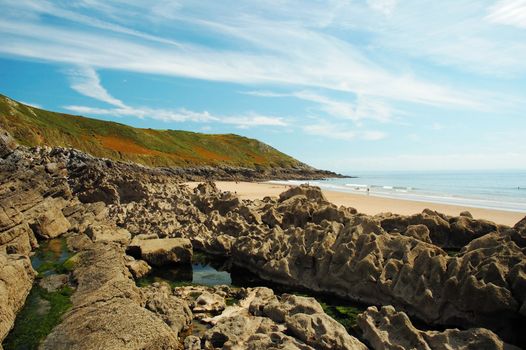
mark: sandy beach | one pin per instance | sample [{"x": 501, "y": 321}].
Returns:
[{"x": 370, "y": 204}]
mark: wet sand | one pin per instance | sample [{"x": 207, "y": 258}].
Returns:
[{"x": 370, "y": 205}]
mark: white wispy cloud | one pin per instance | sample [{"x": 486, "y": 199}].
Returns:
[
  {"x": 385, "y": 7},
  {"x": 180, "y": 115},
  {"x": 509, "y": 12},
  {"x": 363, "y": 108},
  {"x": 338, "y": 132},
  {"x": 297, "y": 54},
  {"x": 86, "y": 81}
]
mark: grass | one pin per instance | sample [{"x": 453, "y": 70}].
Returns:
[{"x": 36, "y": 127}]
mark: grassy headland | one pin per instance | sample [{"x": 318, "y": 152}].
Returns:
[{"x": 32, "y": 126}]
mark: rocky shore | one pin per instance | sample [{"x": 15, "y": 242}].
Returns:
[{"x": 432, "y": 281}]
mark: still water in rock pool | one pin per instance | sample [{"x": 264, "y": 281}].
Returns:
[
  {"x": 204, "y": 270},
  {"x": 213, "y": 271}
]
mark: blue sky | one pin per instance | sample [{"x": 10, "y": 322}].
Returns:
[{"x": 342, "y": 85}]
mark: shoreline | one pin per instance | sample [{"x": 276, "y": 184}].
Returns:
[{"x": 370, "y": 205}]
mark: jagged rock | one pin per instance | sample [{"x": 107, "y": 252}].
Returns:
[
  {"x": 16, "y": 280},
  {"x": 207, "y": 302},
  {"x": 305, "y": 319},
  {"x": 138, "y": 268},
  {"x": 271, "y": 218},
  {"x": 51, "y": 223},
  {"x": 465, "y": 229},
  {"x": 18, "y": 240},
  {"x": 300, "y": 240},
  {"x": 274, "y": 341},
  {"x": 521, "y": 225},
  {"x": 233, "y": 332},
  {"x": 107, "y": 311},
  {"x": 78, "y": 242},
  {"x": 322, "y": 332},
  {"x": 466, "y": 214},
  {"x": 387, "y": 329},
  {"x": 288, "y": 305},
  {"x": 106, "y": 233},
  {"x": 192, "y": 343},
  {"x": 163, "y": 251},
  {"x": 7, "y": 144},
  {"x": 172, "y": 310},
  {"x": 52, "y": 283},
  {"x": 310, "y": 192},
  {"x": 420, "y": 232}
]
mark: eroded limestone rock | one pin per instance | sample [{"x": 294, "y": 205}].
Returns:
[
  {"x": 163, "y": 251},
  {"x": 387, "y": 329},
  {"x": 16, "y": 280}
]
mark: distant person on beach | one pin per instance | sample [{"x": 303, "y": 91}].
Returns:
[{"x": 367, "y": 190}]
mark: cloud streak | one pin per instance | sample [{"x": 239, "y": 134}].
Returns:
[
  {"x": 509, "y": 12},
  {"x": 86, "y": 81},
  {"x": 339, "y": 132},
  {"x": 296, "y": 55}
]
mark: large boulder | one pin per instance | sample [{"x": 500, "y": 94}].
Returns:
[
  {"x": 162, "y": 251},
  {"x": 107, "y": 233},
  {"x": 51, "y": 223},
  {"x": 138, "y": 268}
]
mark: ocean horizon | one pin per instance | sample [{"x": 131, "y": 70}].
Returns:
[{"x": 488, "y": 189}]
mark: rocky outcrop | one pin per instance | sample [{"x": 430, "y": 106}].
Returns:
[
  {"x": 174, "y": 311},
  {"x": 387, "y": 329},
  {"x": 107, "y": 308},
  {"x": 301, "y": 240},
  {"x": 7, "y": 144},
  {"x": 262, "y": 320},
  {"x": 107, "y": 233},
  {"x": 16, "y": 280},
  {"x": 138, "y": 268},
  {"x": 444, "y": 231},
  {"x": 51, "y": 223},
  {"x": 208, "y": 302},
  {"x": 164, "y": 251},
  {"x": 298, "y": 239},
  {"x": 31, "y": 203}
]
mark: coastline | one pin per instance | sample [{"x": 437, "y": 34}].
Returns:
[{"x": 370, "y": 205}]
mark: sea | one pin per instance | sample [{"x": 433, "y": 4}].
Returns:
[{"x": 502, "y": 190}]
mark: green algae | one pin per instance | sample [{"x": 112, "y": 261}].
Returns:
[
  {"x": 43, "y": 310},
  {"x": 70, "y": 264},
  {"x": 51, "y": 257},
  {"x": 346, "y": 315}
]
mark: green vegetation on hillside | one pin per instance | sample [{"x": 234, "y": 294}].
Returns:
[{"x": 36, "y": 127}]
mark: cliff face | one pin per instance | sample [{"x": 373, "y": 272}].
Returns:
[{"x": 31, "y": 126}]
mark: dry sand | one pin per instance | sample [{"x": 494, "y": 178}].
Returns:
[{"x": 370, "y": 205}]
